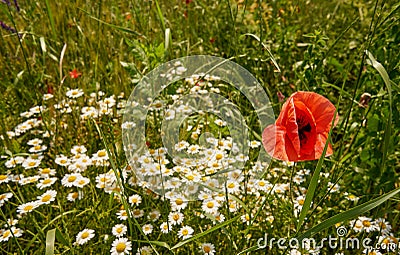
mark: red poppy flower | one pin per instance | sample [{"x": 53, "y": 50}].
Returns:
[
  {"x": 302, "y": 128},
  {"x": 74, "y": 74}
]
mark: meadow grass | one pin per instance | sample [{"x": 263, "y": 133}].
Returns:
[{"x": 68, "y": 68}]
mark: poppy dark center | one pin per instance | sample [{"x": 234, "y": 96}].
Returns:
[{"x": 304, "y": 127}]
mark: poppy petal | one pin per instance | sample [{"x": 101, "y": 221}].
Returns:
[{"x": 322, "y": 109}]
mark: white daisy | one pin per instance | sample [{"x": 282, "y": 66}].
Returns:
[
  {"x": 84, "y": 236},
  {"x": 121, "y": 246},
  {"x": 207, "y": 248},
  {"x": 147, "y": 229},
  {"x": 119, "y": 230},
  {"x": 165, "y": 227},
  {"x": 185, "y": 232},
  {"x": 27, "y": 207},
  {"x": 47, "y": 197}
]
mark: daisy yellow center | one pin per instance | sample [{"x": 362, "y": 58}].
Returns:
[
  {"x": 124, "y": 213},
  {"x": 46, "y": 198},
  {"x": 81, "y": 182},
  {"x": 190, "y": 177},
  {"x": 218, "y": 156},
  {"x": 165, "y": 227},
  {"x": 72, "y": 178},
  {"x": 185, "y": 232},
  {"x": 3, "y": 177},
  {"x": 176, "y": 217},
  {"x": 215, "y": 164},
  {"x": 366, "y": 223},
  {"x": 6, "y": 233},
  {"x": 46, "y": 171},
  {"x": 231, "y": 185},
  {"x": 206, "y": 249},
  {"x": 75, "y": 195},
  {"x": 120, "y": 247},
  {"x": 179, "y": 201},
  {"x": 101, "y": 154},
  {"x": 37, "y": 147},
  {"x": 119, "y": 230},
  {"x": 382, "y": 225},
  {"x": 2, "y": 197},
  {"x": 85, "y": 235},
  {"x": 63, "y": 161},
  {"x": 301, "y": 202},
  {"x": 210, "y": 204},
  {"x": 74, "y": 92},
  {"x": 28, "y": 208},
  {"x": 32, "y": 163},
  {"x": 134, "y": 200},
  {"x": 261, "y": 183}
]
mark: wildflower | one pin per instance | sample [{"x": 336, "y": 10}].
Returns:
[
  {"x": 46, "y": 172},
  {"x": 47, "y": 197},
  {"x": 145, "y": 250},
  {"x": 74, "y": 74},
  {"x": 147, "y": 229},
  {"x": 137, "y": 213},
  {"x": 232, "y": 186},
  {"x": 135, "y": 199},
  {"x": 122, "y": 214},
  {"x": 154, "y": 215},
  {"x": 302, "y": 128},
  {"x": 119, "y": 230},
  {"x": 207, "y": 248},
  {"x": 74, "y": 195},
  {"x": 27, "y": 207},
  {"x": 84, "y": 236},
  {"x": 175, "y": 218},
  {"x": 100, "y": 155},
  {"x": 254, "y": 144},
  {"x": 185, "y": 232},
  {"x": 70, "y": 180},
  {"x": 178, "y": 203},
  {"x": 351, "y": 197},
  {"x": 47, "y": 96},
  {"x": 61, "y": 160},
  {"x": 74, "y": 93},
  {"x": 246, "y": 218},
  {"x": 31, "y": 163},
  {"x": 5, "y": 197},
  {"x": 165, "y": 227},
  {"x": 383, "y": 226},
  {"x": 6, "y": 234},
  {"x": 82, "y": 182},
  {"x": 210, "y": 206},
  {"x": 78, "y": 149},
  {"x": 121, "y": 246},
  {"x": 47, "y": 182},
  {"x": 4, "y": 178}
]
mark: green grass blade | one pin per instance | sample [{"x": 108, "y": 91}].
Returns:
[
  {"x": 267, "y": 49},
  {"x": 388, "y": 129},
  {"x": 50, "y": 238},
  {"x": 123, "y": 29},
  {"x": 160, "y": 15},
  {"x": 195, "y": 237},
  {"x": 349, "y": 214},
  {"x": 50, "y": 15}
]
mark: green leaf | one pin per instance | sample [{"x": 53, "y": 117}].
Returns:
[{"x": 50, "y": 238}]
